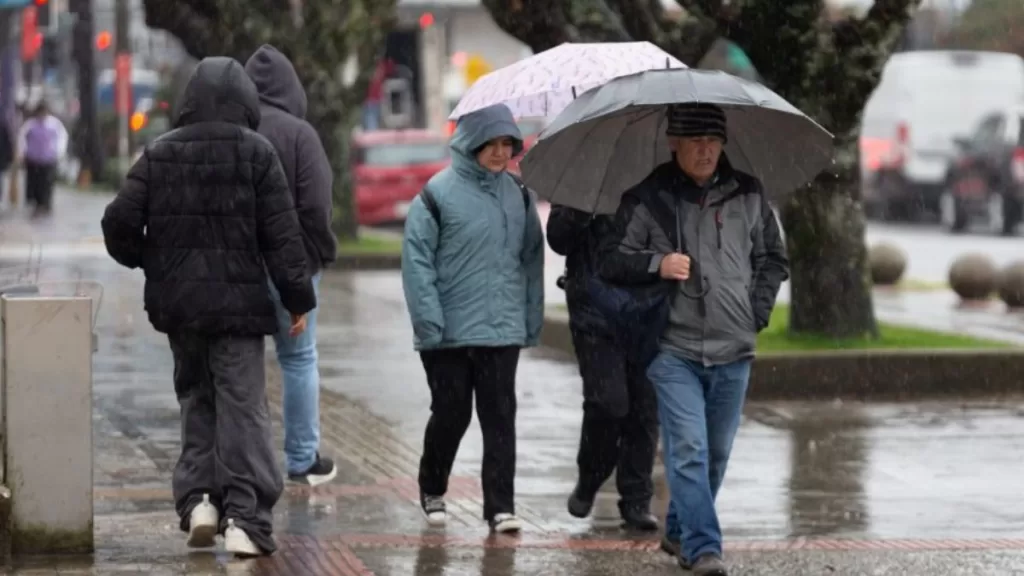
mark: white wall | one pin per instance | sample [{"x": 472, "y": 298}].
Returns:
[{"x": 473, "y": 31}]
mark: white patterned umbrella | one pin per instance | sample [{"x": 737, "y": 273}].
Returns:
[{"x": 542, "y": 85}]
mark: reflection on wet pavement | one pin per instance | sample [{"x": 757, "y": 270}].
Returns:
[
  {"x": 798, "y": 469},
  {"x": 805, "y": 478}
]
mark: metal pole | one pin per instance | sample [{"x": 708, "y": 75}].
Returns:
[
  {"x": 123, "y": 82},
  {"x": 90, "y": 147}
]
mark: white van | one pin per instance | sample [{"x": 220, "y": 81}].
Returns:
[{"x": 925, "y": 100}]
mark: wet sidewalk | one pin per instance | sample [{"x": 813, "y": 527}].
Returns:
[{"x": 812, "y": 489}]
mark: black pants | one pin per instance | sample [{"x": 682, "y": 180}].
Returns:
[
  {"x": 227, "y": 448},
  {"x": 620, "y": 420},
  {"x": 453, "y": 375},
  {"x": 39, "y": 181}
]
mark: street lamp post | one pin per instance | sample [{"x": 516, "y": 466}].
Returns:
[{"x": 122, "y": 81}]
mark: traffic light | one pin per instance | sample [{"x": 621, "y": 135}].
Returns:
[
  {"x": 137, "y": 121},
  {"x": 103, "y": 40}
]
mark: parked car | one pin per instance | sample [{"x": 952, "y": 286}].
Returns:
[
  {"x": 924, "y": 100},
  {"x": 391, "y": 167},
  {"x": 986, "y": 178}
]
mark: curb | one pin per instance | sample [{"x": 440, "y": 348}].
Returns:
[{"x": 889, "y": 375}]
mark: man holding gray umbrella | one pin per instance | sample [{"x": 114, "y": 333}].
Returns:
[
  {"x": 697, "y": 258},
  {"x": 707, "y": 233}
]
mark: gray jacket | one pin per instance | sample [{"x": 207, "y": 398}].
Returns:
[
  {"x": 283, "y": 108},
  {"x": 739, "y": 259}
]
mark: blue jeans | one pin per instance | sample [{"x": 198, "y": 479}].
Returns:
[
  {"x": 700, "y": 409},
  {"x": 300, "y": 385}
]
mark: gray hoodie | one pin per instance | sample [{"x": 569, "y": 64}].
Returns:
[{"x": 283, "y": 107}]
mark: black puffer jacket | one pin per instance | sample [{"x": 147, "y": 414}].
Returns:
[{"x": 207, "y": 213}]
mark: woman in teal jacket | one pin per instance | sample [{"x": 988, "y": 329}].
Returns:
[{"x": 473, "y": 274}]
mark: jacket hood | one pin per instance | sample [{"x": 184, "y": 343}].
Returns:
[
  {"x": 220, "y": 91},
  {"x": 480, "y": 127},
  {"x": 276, "y": 80}
]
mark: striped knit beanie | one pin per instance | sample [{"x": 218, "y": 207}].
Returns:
[{"x": 696, "y": 119}]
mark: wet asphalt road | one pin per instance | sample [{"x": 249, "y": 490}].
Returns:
[{"x": 813, "y": 488}]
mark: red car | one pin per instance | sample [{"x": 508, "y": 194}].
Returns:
[{"x": 391, "y": 167}]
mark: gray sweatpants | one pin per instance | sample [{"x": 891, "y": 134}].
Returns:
[{"x": 226, "y": 439}]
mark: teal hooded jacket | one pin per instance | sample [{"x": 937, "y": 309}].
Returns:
[{"x": 477, "y": 279}]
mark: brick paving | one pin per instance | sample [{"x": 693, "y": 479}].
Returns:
[{"x": 368, "y": 522}]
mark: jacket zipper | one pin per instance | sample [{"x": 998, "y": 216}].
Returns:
[{"x": 718, "y": 226}]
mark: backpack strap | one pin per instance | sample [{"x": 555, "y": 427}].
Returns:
[
  {"x": 431, "y": 203},
  {"x": 523, "y": 189}
]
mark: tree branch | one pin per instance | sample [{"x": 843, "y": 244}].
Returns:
[
  {"x": 850, "y": 65},
  {"x": 881, "y": 25},
  {"x": 518, "y": 18},
  {"x": 194, "y": 28},
  {"x": 688, "y": 39}
]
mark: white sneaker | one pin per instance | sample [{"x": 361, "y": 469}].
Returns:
[
  {"x": 202, "y": 524},
  {"x": 434, "y": 510},
  {"x": 505, "y": 523},
  {"x": 238, "y": 542}
]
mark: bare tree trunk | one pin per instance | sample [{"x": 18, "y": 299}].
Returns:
[{"x": 830, "y": 286}]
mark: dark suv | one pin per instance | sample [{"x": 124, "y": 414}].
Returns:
[{"x": 985, "y": 181}]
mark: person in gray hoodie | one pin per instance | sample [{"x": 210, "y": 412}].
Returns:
[{"x": 283, "y": 110}]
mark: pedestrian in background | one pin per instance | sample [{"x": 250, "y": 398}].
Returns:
[
  {"x": 708, "y": 233},
  {"x": 206, "y": 212},
  {"x": 283, "y": 113},
  {"x": 620, "y": 415},
  {"x": 473, "y": 275},
  {"x": 42, "y": 144}
]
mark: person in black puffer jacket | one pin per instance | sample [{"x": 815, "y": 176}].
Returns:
[
  {"x": 620, "y": 420},
  {"x": 206, "y": 212}
]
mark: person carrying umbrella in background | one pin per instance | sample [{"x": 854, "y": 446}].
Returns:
[
  {"x": 620, "y": 418},
  {"x": 685, "y": 159},
  {"x": 473, "y": 277}
]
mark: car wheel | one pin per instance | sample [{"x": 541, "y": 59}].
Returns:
[
  {"x": 1012, "y": 214},
  {"x": 951, "y": 213},
  {"x": 994, "y": 212}
]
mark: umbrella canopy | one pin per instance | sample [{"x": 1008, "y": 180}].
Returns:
[
  {"x": 610, "y": 139},
  {"x": 543, "y": 84}
]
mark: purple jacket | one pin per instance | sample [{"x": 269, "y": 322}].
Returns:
[{"x": 43, "y": 140}]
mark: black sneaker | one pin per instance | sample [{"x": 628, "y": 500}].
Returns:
[
  {"x": 709, "y": 565},
  {"x": 434, "y": 509},
  {"x": 322, "y": 471},
  {"x": 638, "y": 517},
  {"x": 579, "y": 505}
]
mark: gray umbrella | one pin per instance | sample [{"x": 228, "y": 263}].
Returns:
[{"x": 611, "y": 137}]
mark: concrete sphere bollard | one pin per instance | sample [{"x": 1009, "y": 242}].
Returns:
[
  {"x": 888, "y": 263},
  {"x": 1011, "y": 285},
  {"x": 973, "y": 276}
]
